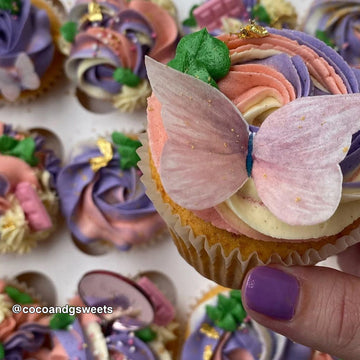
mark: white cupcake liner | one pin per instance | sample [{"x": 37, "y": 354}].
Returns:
[{"x": 211, "y": 261}]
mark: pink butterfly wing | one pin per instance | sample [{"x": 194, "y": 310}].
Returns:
[
  {"x": 203, "y": 161},
  {"x": 28, "y": 77},
  {"x": 9, "y": 86},
  {"x": 296, "y": 155}
]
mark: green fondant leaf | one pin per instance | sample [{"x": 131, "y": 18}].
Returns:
[
  {"x": 321, "y": 35},
  {"x": 2, "y": 351},
  {"x": 146, "y": 334},
  {"x": 202, "y": 56},
  {"x": 227, "y": 323},
  {"x": 127, "y": 150},
  {"x": 126, "y": 77},
  {"x": 13, "y": 6},
  {"x": 229, "y": 312},
  {"x": 23, "y": 149},
  {"x": 191, "y": 20},
  {"x": 61, "y": 321},
  {"x": 69, "y": 31},
  {"x": 17, "y": 296},
  {"x": 260, "y": 14}
]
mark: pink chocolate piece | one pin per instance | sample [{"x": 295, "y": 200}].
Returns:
[
  {"x": 34, "y": 209},
  {"x": 17, "y": 170},
  {"x": 210, "y": 13},
  {"x": 164, "y": 311}
]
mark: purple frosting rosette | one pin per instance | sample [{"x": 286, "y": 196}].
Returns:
[
  {"x": 337, "y": 23},
  {"x": 108, "y": 203}
]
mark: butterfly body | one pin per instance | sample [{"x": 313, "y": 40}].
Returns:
[{"x": 293, "y": 158}]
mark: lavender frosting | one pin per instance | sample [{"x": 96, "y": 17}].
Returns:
[
  {"x": 340, "y": 21},
  {"x": 28, "y": 32},
  {"x": 29, "y": 338},
  {"x": 118, "y": 194},
  {"x": 123, "y": 21}
]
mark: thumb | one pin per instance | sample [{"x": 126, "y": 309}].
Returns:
[{"x": 315, "y": 306}]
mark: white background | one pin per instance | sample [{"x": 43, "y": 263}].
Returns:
[{"x": 59, "y": 258}]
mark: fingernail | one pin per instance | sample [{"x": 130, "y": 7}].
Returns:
[{"x": 272, "y": 292}]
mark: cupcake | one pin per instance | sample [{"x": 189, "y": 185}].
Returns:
[
  {"x": 228, "y": 17},
  {"x": 271, "y": 76},
  {"x": 136, "y": 321},
  {"x": 106, "y": 42},
  {"x": 22, "y": 336},
  {"x": 29, "y": 59},
  {"x": 338, "y": 24},
  {"x": 28, "y": 199},
  {"x": 102, "y": 197},
  {"x": 219, "y": 328}
]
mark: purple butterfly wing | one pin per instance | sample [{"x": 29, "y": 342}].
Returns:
[
  {"x": 203, "y": 161},
  {"x": 296, "y": 155}
]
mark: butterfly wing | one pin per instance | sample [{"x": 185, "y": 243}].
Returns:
[
  {"x": 297, "y": 152},
  {"x": 203, "y": 161},
  {"x": 29, "y": 79},
  {"x": 9, "y": 86}
]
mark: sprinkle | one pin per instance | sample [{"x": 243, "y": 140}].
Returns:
[
  {"x": 323, "y": 123},
  {"x": 207, "y": 352},
  {"x": 225, "y": 144},
  {"x": 209, "y": 331},
  {"x": 265, "y": 176},
  {"x": 192, "y": 147},
  {"x": 232, "y": 130},
  {"x": 300, "y": 127},
  {"x": 150, "y": 108},
  {"x": 209, "y": 101},
  {"x": 132, "y": 349},
  {"x": 302, "y": 118},
  {"x": 297, "y": 199},
  {"x": 345, "y": 149},
  {"x": 84, "y": 177}
]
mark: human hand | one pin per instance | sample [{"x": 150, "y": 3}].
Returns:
[{"x": 315, "y": 306}]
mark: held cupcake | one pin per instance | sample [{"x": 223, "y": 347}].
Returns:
[
  {"x": 29, "y": 59},
  {"x": 102, "y": 197},
  {"x": 338, "y": 24},
  {"x": 228, "y": 214},
  {"x": 22, "y": 336},
  {"x": 133, "y": 320},
  {"x": 229, "y": 16},
  {"x": 220, "y": 329},
  {"x": 106, "y": 43},
  {"x": 28, "y": 200}
]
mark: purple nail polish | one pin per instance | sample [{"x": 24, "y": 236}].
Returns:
[{"x": 272, "y": 292}]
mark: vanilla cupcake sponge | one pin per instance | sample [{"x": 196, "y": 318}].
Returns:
[{"x": 222, "y": 230}]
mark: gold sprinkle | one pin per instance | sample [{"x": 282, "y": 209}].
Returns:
[
  {"x": 252, "y": 31},
  {"x": 297, "y": 199},
  {"x": 300, "y": 127},
  {"x": 323, "y": 123},
  {"x": 345, "y": 149},
  {"x": 232, "y": 130},
  {"x": 302, "y": 118},
  {"x": 150, "y": 108},
  {"x": 209, "y": 331},
  {"x": 106, "y": 150},
  {"x": 84, "y": 177},
  {"x": 192, "y": 147},
  {"x": 265, "y": 176},
  {"x": 225, "y": 144},
  {"x": 207, "y": 355},
  {"x": 209, "y": 101}
]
